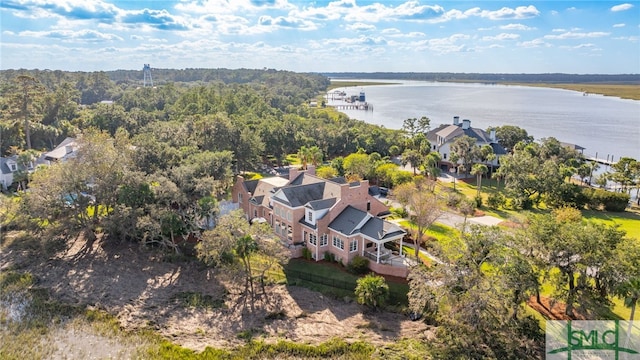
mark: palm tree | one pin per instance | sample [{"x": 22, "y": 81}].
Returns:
[
  {"x": 431, "y": 162},
  {"x": 630, "y": 291},
  {"x": 314, "y": 155},
  {"x": 304, "y": 155},
  {"x": 479, "y": 170}
]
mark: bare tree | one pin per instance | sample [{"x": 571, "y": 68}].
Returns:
[{"x": 424, "y": 207}]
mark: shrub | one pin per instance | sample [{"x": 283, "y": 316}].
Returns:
[
  {"x": 372, "y": 290},
  {"x": 453, "y": 199},
  {"x": 478, "y": 200},
  {"x": 329, "y": 257},
  {"x": 608, "y": 200},
  {"x": 495, "y": 200},
  {"x": 358, "y": 265},
  {"x": 399, "y": 212},
  {"x": 306, "y": 253}
]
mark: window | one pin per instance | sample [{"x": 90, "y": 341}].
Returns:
[
  {"x": 368, "y": 205},
  {"x": 324, "y": 240},
  {"x": 289, "y": 231},
  {"x": 277, "y": 210},
  {"x": 313, "y": 239},
  {"x": 289, "y": 215},
  {"x": 13, "y": 167},
  {"x": 353, "y": 245},
  {"x": 310, "y": 216},
  {"x": 338, "y": 243},
  {"x": 444, "y": 156},
  {"x": 277, "y": 227},
  {"x": 255, "y": 213},
  {"x": 240, "y": 198}
]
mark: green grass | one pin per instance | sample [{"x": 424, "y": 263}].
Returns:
[
  {"x": 410, "y": 251},
  {"x": 344, "y": 282},
  {"x": 629, "y": 221}
]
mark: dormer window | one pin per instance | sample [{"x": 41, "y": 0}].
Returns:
[
  {"x": 13, "y": 167},
  {"x": 310, "y": 216}
]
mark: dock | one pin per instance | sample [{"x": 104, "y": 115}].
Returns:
[
  {"x": 353, "y": 106},
  {"x": 601, "y": 161}
]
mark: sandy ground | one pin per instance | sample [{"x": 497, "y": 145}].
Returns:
[{"x": 139, "y": 288}]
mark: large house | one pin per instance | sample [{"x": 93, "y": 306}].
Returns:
[
  {"x": 67, "y": 149},
  {"x": 333, "y": 217},
  {"x": 8, "y": 166},
  {"x": 444, "y": 135}
]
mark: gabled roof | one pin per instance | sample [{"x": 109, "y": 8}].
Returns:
[
  {"x": 299, "y": 195},
  {"x": 348, "y": 220},
  {"x": 4, "y": 166},
  {"x": 380, "y": 230},
  {"x": 67, "y": 147},
  {"x": 250, "y": 185},
  {"x": 352, "y": 221},
  {"x": 450, "y": 132},
  {"x": 321, "y": 204},
  {"x": 498, "y": 149}
]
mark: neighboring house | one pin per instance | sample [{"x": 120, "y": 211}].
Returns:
[
  {"x": 444, "y": 135},
  {"x": 325, "y": 216},
  {"x": 66, "y": 150},
  {"x": 8, "y": 166}
]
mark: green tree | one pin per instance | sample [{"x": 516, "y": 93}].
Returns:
[
  {"x": 25, "y": 102},
  {"x": 630, "y": 292},
  {"x": 478, "y": 170},
  {"x": 412, "y": 157},
  {"x": 464, "y": 150},
  {"x": 372, "y": 290},
  {"x": 508, "y": 136},
  {"x": 357, "y": 165}
]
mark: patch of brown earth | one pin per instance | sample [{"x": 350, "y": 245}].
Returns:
[
  {"x": 553, "y": 310},
  {"x": 140, "y": 289}
]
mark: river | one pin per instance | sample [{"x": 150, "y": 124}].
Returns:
[{"x": 608, "y": 126}]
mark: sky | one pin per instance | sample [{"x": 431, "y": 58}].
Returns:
[{"x": 578, "y": 37}]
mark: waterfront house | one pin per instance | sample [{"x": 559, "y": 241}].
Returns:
[
  {"x": 331, "y": 218},
  {"x": 8, "y": 166},
  {"x": 444, "y": 135}
]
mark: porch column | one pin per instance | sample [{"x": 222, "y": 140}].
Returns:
[
  {"x": 317, "y": 244},
  {"x": 378, "y": 255},
  {"x": 400, "y": 246}
]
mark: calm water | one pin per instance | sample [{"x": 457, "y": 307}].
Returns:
[{"x": 605, "y": 125}]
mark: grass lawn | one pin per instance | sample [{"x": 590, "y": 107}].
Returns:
[
  {"x": 629, "y": 221},
  {"x": 332, "y": 279},
  {"x": 409, "y": 251}
]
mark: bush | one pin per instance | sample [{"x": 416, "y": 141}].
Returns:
[
  {"x": 453, "y": 199},
  {"x": 372, "y": 290},
  {"x": 608, "y": 200},
  {"x": 478, "y": 201},
  {"x": 358, "y": 265},
  {"x": 399, "y": 212},
  {"x": 306, "y": 253},
  {"x": 329, "y": 257},
  {"x": 496, "y": 200}
]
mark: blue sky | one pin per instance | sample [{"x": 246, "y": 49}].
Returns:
[{"x": 323, "y": 36}]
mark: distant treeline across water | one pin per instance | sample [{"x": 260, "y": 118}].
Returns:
[{"x": 478, "y": 77}]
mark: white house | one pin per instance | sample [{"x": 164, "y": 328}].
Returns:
[
  {"x": 8, "y": 166},
  {"x": 444, "y": 135}
]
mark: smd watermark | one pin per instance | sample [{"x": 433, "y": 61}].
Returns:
[{"x": 591, "y": 339}]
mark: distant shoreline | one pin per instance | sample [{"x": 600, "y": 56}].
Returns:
[{"x": 623, "y": 91}]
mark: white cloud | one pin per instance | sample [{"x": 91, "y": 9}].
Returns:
[
  {"x": 85, "y": 35},
  {"x": 577, "y": 35},
  {"x": 391, "y": 31},
  {"x": 534, "y": 43},
  {"x": 516, "y": 27},
  {"x": 501, "y": 37},
  {"x": 283, "y": 22},
  {"x": 360, "y": 27},
  {"x": 619, "y": 25},
  {"x": 231, "y": 7},
  {"x": 559, "y": 30},
  {"x": 621, "y": 7}
]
